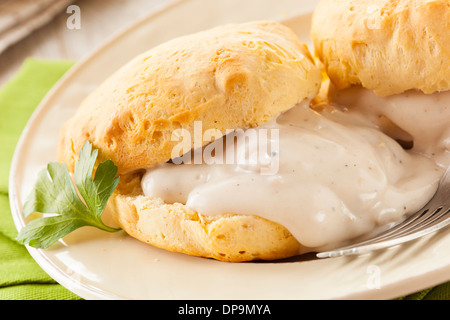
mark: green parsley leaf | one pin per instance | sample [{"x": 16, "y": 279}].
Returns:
[{"x": 54, "y": 194}]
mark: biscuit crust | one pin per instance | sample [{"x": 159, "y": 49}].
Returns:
[
  {"x": 384, "y": 45},
  {"x": 230, "y": 77}
]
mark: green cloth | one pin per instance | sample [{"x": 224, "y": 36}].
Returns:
[{"x": 21, "y": 278}]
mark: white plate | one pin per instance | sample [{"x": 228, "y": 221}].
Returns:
[{"x": 98, "y": 265}]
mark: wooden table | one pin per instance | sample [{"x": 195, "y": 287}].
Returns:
[{"x": 100, "y": 20}]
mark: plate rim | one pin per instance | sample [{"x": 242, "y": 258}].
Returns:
[{"x": 85, "y": 291}]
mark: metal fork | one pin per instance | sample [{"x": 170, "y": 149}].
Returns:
[{"x": 434, "y": 216}]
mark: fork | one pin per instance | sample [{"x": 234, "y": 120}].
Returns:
[{"x": 434, "y": 216}]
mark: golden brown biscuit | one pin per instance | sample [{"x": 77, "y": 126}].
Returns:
[
  {"x": 384, "y": 45},
  {"x": 230, "y": 77},
  {"x": 234, "y": 76}
]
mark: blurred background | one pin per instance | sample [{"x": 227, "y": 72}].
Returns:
[{"x": 62, "y": 29}]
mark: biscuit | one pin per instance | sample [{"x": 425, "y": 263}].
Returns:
[
  {"x": 230, "y": 77},
  {"x": 384, "y": 45},
  {"x": 233, "y": 76}
]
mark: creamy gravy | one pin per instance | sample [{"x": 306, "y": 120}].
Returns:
[
  {"x": 420, "y": 118},
  {"x": 338, "y": 176}
]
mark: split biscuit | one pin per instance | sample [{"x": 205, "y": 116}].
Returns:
[{"x": 230, "y": 77}]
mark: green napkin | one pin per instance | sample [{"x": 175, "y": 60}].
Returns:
[{"x": 21, "y": 278}]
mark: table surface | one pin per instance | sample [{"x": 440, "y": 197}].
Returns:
[{"x": 100, "y": 20}]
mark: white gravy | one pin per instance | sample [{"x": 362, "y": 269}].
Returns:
[
  {"x": 425, "y": 119},
  {"x": 338, "y": 175}
]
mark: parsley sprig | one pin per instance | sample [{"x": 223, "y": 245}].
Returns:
[{"x": 54, "y": 194}]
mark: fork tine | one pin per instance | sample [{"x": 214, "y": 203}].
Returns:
[
  {"x": 402, "y": 226},
  {"x": 421, "y": 220},
  {"x": 433, "y": 216},
  {"x": 384, "y": 244},
  {"x": 405, "y": 224},
  {"x": 440, "y": 221}
]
